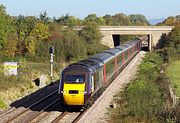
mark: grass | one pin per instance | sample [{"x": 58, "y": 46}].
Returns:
[
  {"x": 2, "y": 104},
  {"x": 141, "y": 100},
  {"x": 173, "y": 72},
  {"x": 14, "y": 87}
]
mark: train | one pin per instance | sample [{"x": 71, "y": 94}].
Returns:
[{"x": 81, "y": 82}]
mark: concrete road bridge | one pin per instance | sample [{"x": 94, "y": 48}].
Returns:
[{"x": 112, "y": 34}]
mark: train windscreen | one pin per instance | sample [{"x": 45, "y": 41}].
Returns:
[{"x": 74, "y": 78}]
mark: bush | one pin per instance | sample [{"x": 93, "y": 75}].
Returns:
[{"x": 144, "y": 99}]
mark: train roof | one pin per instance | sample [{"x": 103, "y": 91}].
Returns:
[
  {"x": 94, "y": 62},
  {"x": 91, "y": 64},
  {"x": 122, "y": 47},
  {"x": 103, "y": 57},
  {"x": 113, "y": 51}
]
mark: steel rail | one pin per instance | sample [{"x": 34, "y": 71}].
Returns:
[
  {"x": 36, "y": 103},
  {"x": 60, "y": 117},
  {"x": 42, "y": 111}
]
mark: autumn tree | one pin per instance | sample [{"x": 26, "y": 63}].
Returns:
[
  {"x": 39, "y": 33},
  {"x": 11, "y": 45},
  {"x": 55, "y": 32},
  {"x": 24, "y": 26}
]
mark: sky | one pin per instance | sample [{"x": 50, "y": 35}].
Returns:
[{"x": 152, "y": 9}]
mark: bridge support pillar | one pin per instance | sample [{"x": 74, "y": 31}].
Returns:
[{"x": 150, "y": 41}]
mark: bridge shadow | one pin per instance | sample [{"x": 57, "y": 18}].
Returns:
[{"x": 28, "y": 100}]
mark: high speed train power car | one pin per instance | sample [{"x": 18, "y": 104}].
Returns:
[{"x": 79, "y": 82}]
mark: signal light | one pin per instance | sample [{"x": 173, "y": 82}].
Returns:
[{"x": 51, "y": 50}]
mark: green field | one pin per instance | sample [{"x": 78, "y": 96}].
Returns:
[{"x": 173, "y": 72}]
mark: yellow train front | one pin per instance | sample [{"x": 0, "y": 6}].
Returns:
[{"x": 74, "y": 85}]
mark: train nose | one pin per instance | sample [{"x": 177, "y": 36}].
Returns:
[{"x": 73, "y": 94}]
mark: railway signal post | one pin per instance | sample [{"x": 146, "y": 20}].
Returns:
[{"x": 51, "y": 51}]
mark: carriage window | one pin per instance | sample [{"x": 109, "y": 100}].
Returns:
[
  {"x": 126, "y": 54},
  {"x": 110, "y": 65},
  {"x": 119, "y": 59},
  {"x": 96, "y": 79},
  {"x": 74, "y": 78}
]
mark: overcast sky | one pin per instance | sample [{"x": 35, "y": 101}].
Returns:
[{"x": 152, "y": 9}]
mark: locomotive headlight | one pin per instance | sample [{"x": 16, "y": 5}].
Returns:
[
  {"x": 83, "y": 92},
  {"x": 64, "y": 92}
]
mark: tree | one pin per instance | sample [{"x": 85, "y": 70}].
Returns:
[
  {"x": 10, "y": 47},
  {"x": 44, "y": 17},
  {"x": 74, "y": 47},
  {"x": 5, "y": 26},
  {"x": 92, "y": 36},
  {"x": 90, "y": 33},
  {"x": 108, "y": 20},
  {"x": 24, "y": 26},
  {"x": 173, "y": 42},
  {"x": 121, "y": 20},
  {"x": 67, "y": 20},
  {"x": 63, "y": 19},
  {"x": 138, "y": 19},
  {"x": 39, "y": 33},
  {"x": 55, "y": 32},
  {"x": 171, "y": 21},
  {"x": 93, "y": 18}
]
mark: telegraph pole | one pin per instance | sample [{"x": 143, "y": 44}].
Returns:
[{"x": 51, "y": 51}]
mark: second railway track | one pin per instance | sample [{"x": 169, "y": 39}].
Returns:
[{"x": 14, "y": 113}]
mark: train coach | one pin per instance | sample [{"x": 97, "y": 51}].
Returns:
[{"x": 79, "y": 82}]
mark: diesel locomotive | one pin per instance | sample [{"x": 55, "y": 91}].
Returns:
[{"x": 80, "y": 81}]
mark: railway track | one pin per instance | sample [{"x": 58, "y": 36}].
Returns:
[
  {"x": 20, "y": 111},
  {"x": 69, "y": 116},
  {"x": 38, "y": 110},
  {"x": 37, "y": 114}
]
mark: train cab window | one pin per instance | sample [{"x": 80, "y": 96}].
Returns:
[{"x": 74, "y": 78}]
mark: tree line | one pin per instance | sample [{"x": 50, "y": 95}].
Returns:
[{"x": 29, "y": 37}]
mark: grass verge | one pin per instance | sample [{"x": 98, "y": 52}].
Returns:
[
  {"x": 173, "y": 71},
  {"x": 147, "y": 98}
]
